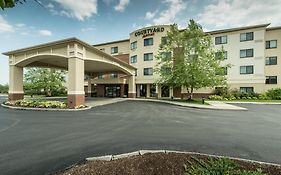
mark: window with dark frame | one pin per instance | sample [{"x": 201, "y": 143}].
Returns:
[
  {"x": 271, "y": 80},
  {"x": 100, "y": 76},
  {"x": 217, "y": 55},
  {"x": 148, "y": 71},
  {"x": 247, "y": 89},
  {"x": 133, "y": 45},
  {"x": 113, "y": 75},
  {"x": 114, "y": 50},
  {"x": 134, "y": 59},
  {"x": 148, "y": 56},
  {"x": 164, "y": 40},
  {"x": 246, "y": 69},
  {"x": 249, "y": 36},
  {"x": 221, "y": 40},
  {"x": 148, "y": 42},
  {"x": 245, "y": 53},
  {"x": 271, "y": 44},
  {"x": 271, "y": 60}
]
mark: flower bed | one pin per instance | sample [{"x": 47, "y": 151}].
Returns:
[{"x": 39, "y": 103}]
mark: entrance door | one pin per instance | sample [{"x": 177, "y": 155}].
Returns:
[
  {"x": 112, "y": 91},
  {"x": 143, "y": 90},
  {"x": 165, "y": 91}
]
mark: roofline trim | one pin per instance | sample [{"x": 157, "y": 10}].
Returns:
[{"x": 112, "y": 42}]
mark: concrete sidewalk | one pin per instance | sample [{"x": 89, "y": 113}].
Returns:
[
  {"x": 96, "y": 101},
  {"x": 218, "y": 105}
]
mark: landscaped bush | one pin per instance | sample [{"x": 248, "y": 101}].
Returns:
[
  {"x": 221, "y": 166},
  {"x": 274, "y": 94},
  {"x": 38, "y": 104},
  {"x": 215, "y": 97}
]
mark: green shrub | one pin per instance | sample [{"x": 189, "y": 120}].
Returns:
[
  {"x": 222, "y": 91},
  {"x": 255, "y": 98},
  {"x": 215, "y": 97},
  {"x": 263, "y": 97},
  {"x": 249, "y": 98},
  {"x": 221, "y": 166},
  {"x": 39, "y": 104},
  {"x": 274, "y": 94},
  {"x": 244, "y": 98}
]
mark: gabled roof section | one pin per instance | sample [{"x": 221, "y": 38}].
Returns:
[
  {"x": 112, "y": 42},
  {"x": 273, "y": 28}
]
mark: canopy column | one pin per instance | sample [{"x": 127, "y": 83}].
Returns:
[
  {"x": 15, "y": 83},
  {"x": 75, "y": 91},
  {"x": 132, "y": 87}
]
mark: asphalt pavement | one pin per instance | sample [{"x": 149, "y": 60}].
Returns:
[{"x": 41, "y": 142}]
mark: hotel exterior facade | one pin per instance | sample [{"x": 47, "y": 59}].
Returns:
[
  {"x": 252, "y": 52},
  {"x": 124, "y": 68}
]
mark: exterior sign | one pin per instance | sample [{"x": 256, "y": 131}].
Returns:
[{"x": 149, "y": 31}]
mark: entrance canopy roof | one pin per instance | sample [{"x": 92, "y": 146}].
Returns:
[{"x": 56, "y": 55}]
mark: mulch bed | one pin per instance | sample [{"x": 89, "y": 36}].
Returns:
[{"x": 153, "y": 164}]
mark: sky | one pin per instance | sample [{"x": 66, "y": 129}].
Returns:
[{"x": 98, "y": 21}]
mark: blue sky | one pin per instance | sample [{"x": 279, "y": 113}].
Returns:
[{"x": 96, "y": 21}]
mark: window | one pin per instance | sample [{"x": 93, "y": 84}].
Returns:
[
  {"x": 246, "y": 36},
  {"x": 221, "y": 40},
  {"x": 218, "y": 55},
  {"x": 164, "y": 40},
  {"x": 114, "y": 50},
  {"x": 271, "y": 44},
  {"x": 134, "y": 59},
  {"x": 224, "y": 70},
  {"x": 271, "y": 80},
  {"x": 100, "y": 76},
  {"x": 246, "y": 69},
  {"x": 271, "y": 60},
  {"x": 246, "y": 89},
  {"x": 102, "y": 49},
  {"x": 133, "y": 45},
  {"x": 113, "y": 75},
  {"x": 148, "y": 42},
  {"x": 148, "y": 71},
  {"x": 148, "y": 56},
  {"x": 166, "y": 56},
  {"x": 246, "y": 53}
]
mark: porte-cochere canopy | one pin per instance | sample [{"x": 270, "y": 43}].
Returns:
[{"x": 70, "y": 54}]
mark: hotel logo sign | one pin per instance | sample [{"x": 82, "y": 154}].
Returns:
[{"x": 149, "y": 31}]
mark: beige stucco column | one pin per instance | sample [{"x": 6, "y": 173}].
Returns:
[
  {"x": 132, "y": 87},
  {"x": 89, "y": 91},
  {"x": 148, "y": 90},
  {"x": 15, "y": 83},
  {"x": 75, "y": 91},
  {"x": 158, "y": 91},
  {"x": 171, "y": 94}
]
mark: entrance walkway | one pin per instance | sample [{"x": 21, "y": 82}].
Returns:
[{"x": 99, "y": 101}]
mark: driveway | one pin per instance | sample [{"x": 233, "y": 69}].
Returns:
[{"x": 35, "y": 142}]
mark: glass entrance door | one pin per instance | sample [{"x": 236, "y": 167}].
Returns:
[{"x": 112, "y": 91}]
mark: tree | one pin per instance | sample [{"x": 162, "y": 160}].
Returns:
[
  {"x": 44, "y": 80},
  {"x": 187, "y": 59},
  {"x": 4, "y": 88},
  {"x": 11, "y": 3}
]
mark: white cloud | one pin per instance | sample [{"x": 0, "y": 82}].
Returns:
[
  {"x": 45, "y": 32},
  {"x": 50, "y": 6},
  {"x": 20, "y": 25},
  {"x": 150, "y": 15},
  {"x": 87, "y": 29},
  {"x": 77, "y": 9},
  {"x": 5, "y": 26},
  {"x": 107, "y": 2},
  {"x": 122, "y": 5},
  {"x": 234, "y": 13},
  {"x": 168, "y": 16}
]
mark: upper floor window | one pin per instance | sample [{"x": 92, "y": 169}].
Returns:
[
  {"x": 148, "y": 42},
  {"x": 164, "y": 40},
  {"x": 148, "y": 56},
  {"x": 114, "y": 50},
  {"x": 102, "y": 49},
  {"x": 133, "y": 45},
  {"x": 166, "y": 56},
  {"x": 271, "y": 44},
  {"x": 246, "y": 53},
  {"x": 218, "y": 55},
  {"x": 221, "y": 40},
  {"x": 271, "y": 80},
  {"x": 148, "y": 71},
  {"x": 271, "y": 60},
  {"x": 134, "y": 59},
  {"x": 113, "y": 75},
  {"x": 247, "y": 89},
  {"x": 246, "y": 69},
  {"x": 247, "y": 36}
]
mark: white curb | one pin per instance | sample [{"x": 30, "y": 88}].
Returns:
[
  {"x": 142, "y": 152},
  {"x": 43, "y": 109}
]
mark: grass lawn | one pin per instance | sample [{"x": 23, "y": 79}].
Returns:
[
  {"x": 193, "y": 101},
  {"x": 248, "y": 100}
]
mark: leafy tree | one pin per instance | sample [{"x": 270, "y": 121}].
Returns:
[
  {"x": 11, "y": 3},
  {"x": 4, "y": 88},
  {"x": 44, "y": 81},
  {"x": 187, "y": 59}
]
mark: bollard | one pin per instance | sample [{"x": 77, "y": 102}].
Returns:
[{"x": 203, "y": 100}]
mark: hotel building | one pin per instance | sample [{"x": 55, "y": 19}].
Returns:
[{"x": 252, "y": 52}]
